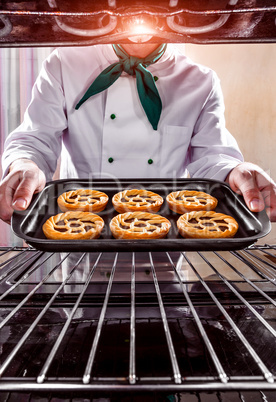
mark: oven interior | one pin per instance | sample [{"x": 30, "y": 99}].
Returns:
[
  {"x": 133, "y": 323},
  {"x": 137, "y": 326},
  {"x": 88, "y": 22}
]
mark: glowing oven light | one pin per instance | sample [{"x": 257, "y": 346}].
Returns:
[
  {"x": 139, "y": 30},
  {"x": 139, "y": 26}
]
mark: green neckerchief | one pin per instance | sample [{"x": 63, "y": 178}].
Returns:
[{"x": 146, "y": 87}]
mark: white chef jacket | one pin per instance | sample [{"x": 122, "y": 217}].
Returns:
[{"x": 110, "y": 135}]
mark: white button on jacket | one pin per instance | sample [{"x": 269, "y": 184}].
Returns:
[{"x": 191, "y": 135}]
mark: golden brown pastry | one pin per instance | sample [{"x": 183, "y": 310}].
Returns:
[
  {"x": 139, "y": 225},
  {"x": 86, "y": 200},
  {"x": 137, "y": 200},
  {"x": 73, "y": 225},
  {"x": 186, "y": 201},
  {"x": 206, "y": 225}
]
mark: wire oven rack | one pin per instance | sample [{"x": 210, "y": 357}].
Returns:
[{"x": 138, "y": 322}]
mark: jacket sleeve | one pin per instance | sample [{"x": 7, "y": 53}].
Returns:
[
  {"x": 214, "y": 152},
  {"x": 39, "y": 137}
]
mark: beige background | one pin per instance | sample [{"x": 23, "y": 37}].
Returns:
[{"x": 248, "y": 79}]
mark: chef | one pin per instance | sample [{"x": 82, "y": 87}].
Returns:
[{"x": 126, "y": 111}]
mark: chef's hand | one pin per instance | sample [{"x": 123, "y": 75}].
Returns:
[
  {"x": 256, "y": 187},
  {"x": 17, "y": 188}
]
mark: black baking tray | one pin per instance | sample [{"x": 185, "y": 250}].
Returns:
[{"x": 28, "y": 224}]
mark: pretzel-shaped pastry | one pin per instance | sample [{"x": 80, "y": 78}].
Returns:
[
  {"x": 206, "y": 225},
  {"x": 73, "y": 226},
  {"x": 186, "y": 201},
  {"x": 82, "y": 200},
  {"x": 139, "y": 225},
  {"x": 137, "y": 200}
]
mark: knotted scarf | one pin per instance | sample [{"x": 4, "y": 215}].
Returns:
[{"x": 145, "y": 82}]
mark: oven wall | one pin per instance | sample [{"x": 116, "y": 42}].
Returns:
[{"x": 247, "y": 74}]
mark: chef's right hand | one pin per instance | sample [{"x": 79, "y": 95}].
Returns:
[{"x": 18, "y": 187}]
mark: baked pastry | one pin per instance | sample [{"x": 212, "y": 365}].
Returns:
[
  {"x": 73, "y": 225},
  {"x": 82, "y": 200},
  {"x": 137, "y": 200},
  {"x": 139, "y": 225},
  {"x": 206, "y": 225},
  {"x": 186, "y": 201}
]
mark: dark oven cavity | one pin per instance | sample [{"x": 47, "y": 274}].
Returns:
[{"x": 138, "y": 322}]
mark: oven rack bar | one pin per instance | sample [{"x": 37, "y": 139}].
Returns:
[
  {"x": 116, "y": 386},
  {"x": 203, "y": 324},
  {"x": 267, "y": 374}
]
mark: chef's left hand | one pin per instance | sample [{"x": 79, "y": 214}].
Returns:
[{"x": 256, "y": 187}]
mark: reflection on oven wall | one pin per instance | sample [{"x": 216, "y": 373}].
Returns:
[
  {"x": 247, "y": 77},
  {"x": 19, "y": 68}
]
